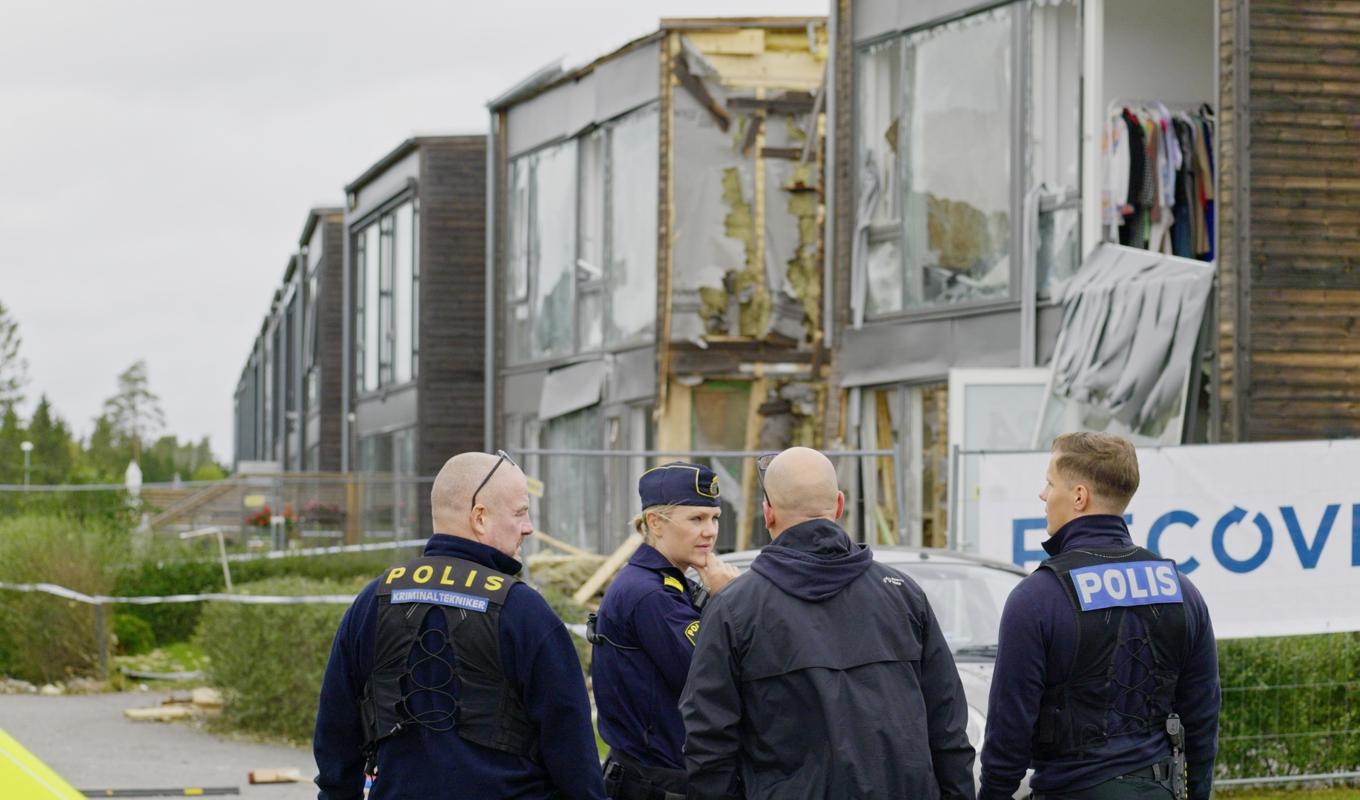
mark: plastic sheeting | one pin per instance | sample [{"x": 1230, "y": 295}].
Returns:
[{"x": 1130, "y": 323}]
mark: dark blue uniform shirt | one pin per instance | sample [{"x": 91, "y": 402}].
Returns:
[
  {"x": 541, "y": 664},
  {"x": 1038, "y": 638},
  {"x": 637, "y": 692}
]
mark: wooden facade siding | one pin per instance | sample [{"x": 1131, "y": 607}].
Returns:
[
  {"x": 452, "y": 194},
  {"x": 330, "y": 340},
  {"x": 1303, "y": 320},
  {"x": 1228, "y": 298}
]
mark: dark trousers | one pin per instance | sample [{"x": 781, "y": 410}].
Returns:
[
  {"x": 1142, "y": 784},
  {"x": 626, "y": 779}
]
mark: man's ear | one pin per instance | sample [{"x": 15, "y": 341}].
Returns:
[
  {"x": 1081, "y": 498},
  {"x": 840, "y": 505},
  {"x": 768, "y": 513},
  {"x": 477, "y": 520}
]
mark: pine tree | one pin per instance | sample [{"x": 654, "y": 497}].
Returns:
[
  {"x": 135, "y": 412},
  {"x": 52, "y": 445}
]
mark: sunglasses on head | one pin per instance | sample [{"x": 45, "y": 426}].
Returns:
[
  {"x": 762, "y": 464},
  {"x": 503, "y": 457}
]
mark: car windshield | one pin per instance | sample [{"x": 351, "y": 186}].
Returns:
[{"x": 967, "y": 600}]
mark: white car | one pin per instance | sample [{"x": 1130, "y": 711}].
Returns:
[{"x": 967, "y": 593}]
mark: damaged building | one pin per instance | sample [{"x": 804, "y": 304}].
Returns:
[
  {"x": 656, "y": 283},
  {"x": 1050, "y": 215}
]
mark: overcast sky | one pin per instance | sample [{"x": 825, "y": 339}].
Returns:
[{"x": 157, "y": 160}]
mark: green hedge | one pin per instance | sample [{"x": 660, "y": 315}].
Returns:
[
  {"x": 173, "y": 573},
  {"x": 45, "y": 638},
  {"x": 1289, "y": 705},
  {"x": 268, "y": 660}
]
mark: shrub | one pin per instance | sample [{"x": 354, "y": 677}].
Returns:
[
  {"x": 45, "y": 638},
  {"x": 176, "y": 569},
  {"x": 1288, "y": 705},
  {"x": 268, "y": 660},
  {"x": 169, "y": 622},
  {"x": 133, "y": 633}
]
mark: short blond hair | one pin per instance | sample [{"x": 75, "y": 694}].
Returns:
[
  {"x": 639, "y": 522},
  {"x": 1109, "y": 464}
]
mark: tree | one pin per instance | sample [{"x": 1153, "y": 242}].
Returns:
[
  {"x": 13, "y": 369},
  {"x": 52, "y": 445},
  {"x": 11, "y": 457},
  {"x": 106, "y": 454},
  {"x": 135, "y": 412}
]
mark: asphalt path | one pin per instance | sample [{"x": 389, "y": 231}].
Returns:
[{"x": 87, "y": 740}]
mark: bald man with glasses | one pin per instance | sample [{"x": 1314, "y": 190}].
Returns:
[{"x": 448, "y": 676}]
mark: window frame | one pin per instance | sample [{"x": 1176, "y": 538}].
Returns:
[
  {"x": 519, "y": 243},
  {"x": 384, "y": 216},
  {"x": 1019, "y": 146}
]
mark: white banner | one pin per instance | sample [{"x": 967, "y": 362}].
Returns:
[{"x": 1269, "y": 533}]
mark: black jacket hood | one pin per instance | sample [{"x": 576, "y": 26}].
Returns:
[{"x": 813, "y": 560}]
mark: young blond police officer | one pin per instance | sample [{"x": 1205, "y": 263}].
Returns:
[
  {"x": 1106, "y": 677},
  {"x": 644, "y": 635}
]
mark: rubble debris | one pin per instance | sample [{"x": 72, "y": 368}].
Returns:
[
  {"x": 160, "y": 714},
  {"x": 277, "y": 775},
  {"x": 51, "y": 690}
]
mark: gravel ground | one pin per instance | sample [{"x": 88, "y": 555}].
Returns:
[{"x": 89, "y": 742}]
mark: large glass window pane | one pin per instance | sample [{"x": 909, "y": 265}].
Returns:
[
  {"x": 957, "y": 173},
  {"x": 879, "y": 102},
  {"x": 1055, "y": 138},
  {"x": 590, "y": 213},
  {"x": 371, "y": 331},
  {"x": 552, "y": 248},
  {"x": 517, "y": 248},
  {"x": 633, "y": 158},
  {"x": 385, "y": 338},
  {"x": 591, "y": 323},
  {"x": 574, "y": 484},
  {"x": 403, "y": 276}
]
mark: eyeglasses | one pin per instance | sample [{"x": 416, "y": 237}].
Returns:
[
  {"x": 762, "y": 464},
  {"x": 504, "y": 456}
]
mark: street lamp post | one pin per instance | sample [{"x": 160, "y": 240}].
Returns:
[{"x": 27, "y": 447}]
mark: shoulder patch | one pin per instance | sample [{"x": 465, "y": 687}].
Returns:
[
  {"x": 670, "y": 580},
  {"x": 692, "y": 630}
]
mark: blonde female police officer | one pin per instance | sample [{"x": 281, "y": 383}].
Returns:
[{"x": 644, "y": 633}]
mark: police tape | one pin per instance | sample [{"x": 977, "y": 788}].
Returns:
[
  {"x": 148, "y": 600},
  {"x": 400, "y": 544}
]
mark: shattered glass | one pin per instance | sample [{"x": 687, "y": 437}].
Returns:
[
  {"x": 956, "y": 174},
  {"x": 552, "y": 250},
  {"x": 633, "y": 188}
]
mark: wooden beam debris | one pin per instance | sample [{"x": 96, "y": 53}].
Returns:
[{"x": 606, "y": 571}]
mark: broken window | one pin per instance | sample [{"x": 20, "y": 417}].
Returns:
[
  {"x": 590, "y": 239},
  {"x": 574, "y": 484},
  {"x": 720, "y": 411},
  {"x": 631, "y": 273},
  {"x": 1055, "y": 139},
  {"x": 552, "y": 250},
  {"x": 879, "y": 223},
  {"x": 956, "y": 175},
  {"x": 517, "y": 261}
]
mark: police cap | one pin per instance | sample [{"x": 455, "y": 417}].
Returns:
[{"x": 679, "y": 483}]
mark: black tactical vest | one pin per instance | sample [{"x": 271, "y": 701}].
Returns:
[
  {"x": 469, "y": 596},
  {"x": 1094, "y": 704}
]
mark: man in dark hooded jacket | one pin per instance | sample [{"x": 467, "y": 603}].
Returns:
[{"x": 820, "y": 673}]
